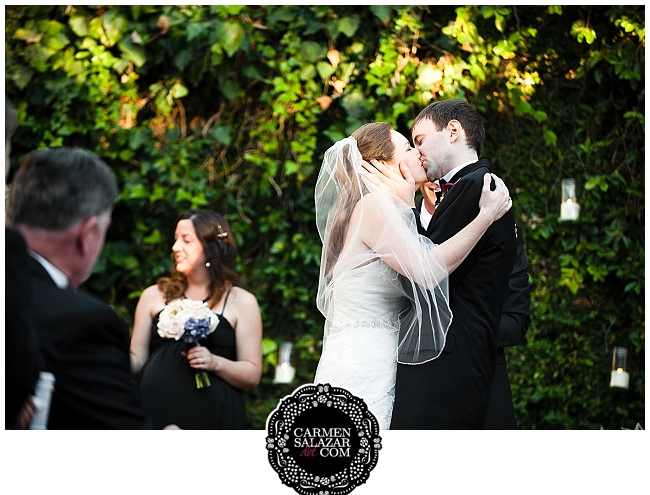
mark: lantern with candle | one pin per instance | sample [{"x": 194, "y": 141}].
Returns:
[
  {"x": 620, "y": 377},
  {"x": 569, "y": 209},
  {"x": 284, "y": 372}
]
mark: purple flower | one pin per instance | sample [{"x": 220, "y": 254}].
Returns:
[{"x": 196, "y": 330}]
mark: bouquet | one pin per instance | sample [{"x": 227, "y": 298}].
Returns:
[{"x": 190, "y": 321}]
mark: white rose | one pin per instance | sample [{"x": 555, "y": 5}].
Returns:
[
  {"x": 171, "y": 323},
  {"x": 214, "y": 321}
]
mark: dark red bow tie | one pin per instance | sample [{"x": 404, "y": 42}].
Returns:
[{"x": 445, "y": 186}]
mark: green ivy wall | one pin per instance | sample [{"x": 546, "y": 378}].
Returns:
[{"x": 232, "y": 107}]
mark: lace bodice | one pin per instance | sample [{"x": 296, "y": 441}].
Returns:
[{"x": 367, "y": 296}]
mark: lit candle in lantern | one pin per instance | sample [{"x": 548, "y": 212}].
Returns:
[
  {"x": 284, "y": 372},
  {"x": 569, "y": 209},
  {"x": 620, "y": 378}
]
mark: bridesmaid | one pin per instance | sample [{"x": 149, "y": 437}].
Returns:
[{"x": 203, "y": 256}]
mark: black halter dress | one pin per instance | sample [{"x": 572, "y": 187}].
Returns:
[{"x": 168, "y": 389}]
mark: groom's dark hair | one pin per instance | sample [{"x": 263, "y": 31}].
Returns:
[{"x": 441, "y": 112}]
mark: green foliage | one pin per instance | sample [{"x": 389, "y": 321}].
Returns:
[{"x": 232, "y": 107}]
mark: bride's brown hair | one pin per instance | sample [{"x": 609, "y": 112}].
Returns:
[
  {"x": 374, "y": 143},
  {"x": 213, "y": 231}
]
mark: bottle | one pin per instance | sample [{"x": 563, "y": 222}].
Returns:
[{"x": 42, "y": 398}]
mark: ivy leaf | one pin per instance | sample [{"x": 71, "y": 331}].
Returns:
[
  {"x": 230, "y": 35},
  {"x": 382, "y": 12},
  {"x": 334, "y": 134},
  {"x": 311, "y": 51},
  {"x": 291, "y": 167},
  {"x": 550, "y": 138},
  {"x": 630, "y": 286},
  {"x": 268, "y": 346},
  {"x": 400, "y": 108},
  {"x": 133, "y": 52},
  {"x": 179, "y": 91},
  {"x": 194, "y": 30},
  {"x": 349, "y": 25},
  {"x": 22, "y": 78},
  {"x": 308, "y": 73},
  {"x": 138, "y": 137},
  {"x": 79, "y": 25},
  {"x": 325, "y": 69},
  {"x": 96, "y": 30},
  {"x": 114, "y": 26},
  {"x": 28, "y": 35},
  {"x": 591, "y": 183},
  {"x": 56, "y": 39},
  {"x": 635, "y": 115},
  {"x": 251, "y": 72},
  {"x": 222, "y": 134},
  {"x": 153, "y": 238},
  {"x": 183, "y": 58}
]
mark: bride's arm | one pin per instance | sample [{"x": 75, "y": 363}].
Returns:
[
  {"x": 384, "y": 230},
  {"x": 493, "y": 205}
]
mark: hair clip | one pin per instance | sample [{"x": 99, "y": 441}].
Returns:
[{"x": 221, "y": 234}]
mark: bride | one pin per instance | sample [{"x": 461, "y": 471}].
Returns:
[{"x": 383, "y": 288}]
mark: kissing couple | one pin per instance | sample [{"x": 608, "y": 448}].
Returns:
[{"x": 412, "y": 316}]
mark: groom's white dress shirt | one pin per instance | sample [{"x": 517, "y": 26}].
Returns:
[{"x": 425, "y": 216}]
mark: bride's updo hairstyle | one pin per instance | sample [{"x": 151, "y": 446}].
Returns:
[
  {"x": 215, "y": 235},
  {"x": 374, "y": 143}
]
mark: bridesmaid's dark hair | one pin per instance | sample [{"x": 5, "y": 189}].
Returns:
[{"x": 215, "y": 235}]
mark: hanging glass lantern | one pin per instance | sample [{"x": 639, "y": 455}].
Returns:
[
  {"x": 284, "y": 372},
  {"x": 620, "y": 377},
  {"x": 569, "y": 209}
]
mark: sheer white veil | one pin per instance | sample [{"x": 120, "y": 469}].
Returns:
[{"x": 360, "y": 223}]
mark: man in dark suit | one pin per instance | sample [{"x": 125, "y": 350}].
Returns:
[
  {"x": 22, "y": 362},
  {"x": 61, "y": 201},
  {"x": 453, "y": 391},
  {"x": 515, "y": 318}
]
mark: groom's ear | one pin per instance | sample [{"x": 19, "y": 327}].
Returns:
[{"x": 455, "y": 130}]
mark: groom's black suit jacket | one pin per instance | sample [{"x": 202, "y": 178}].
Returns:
[
  {"x": 85, "y": 344},
  {"x": 453, "y": 391},
  {"x": 515, "y": 319}
]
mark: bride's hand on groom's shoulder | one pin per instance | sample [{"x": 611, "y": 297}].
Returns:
[
  {"x": 402, "y": 186},
  {"x": 494, "y": 202}
]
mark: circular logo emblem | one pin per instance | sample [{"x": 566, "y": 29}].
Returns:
[{"x": 322, "y": 440}]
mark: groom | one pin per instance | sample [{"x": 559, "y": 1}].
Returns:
[{"x": 453, "y": 391}]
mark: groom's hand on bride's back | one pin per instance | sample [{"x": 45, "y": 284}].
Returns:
[{"x": 401, "y": 185}]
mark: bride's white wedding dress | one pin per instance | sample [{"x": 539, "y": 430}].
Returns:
[
  {"x": 360, "y": 350},
  {"x": 374, "y": 316}
]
